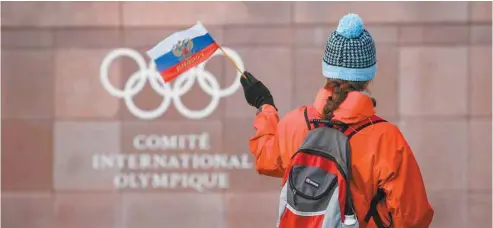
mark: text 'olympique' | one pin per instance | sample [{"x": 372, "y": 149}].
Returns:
[{"x": 196, "y": 181}]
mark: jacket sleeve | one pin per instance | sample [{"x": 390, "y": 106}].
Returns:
[
  {"x": 264, "y": 145},
  {"x": 398, "y": 174}
]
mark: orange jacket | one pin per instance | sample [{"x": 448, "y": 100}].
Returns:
[{"x": 380, "y": 158}]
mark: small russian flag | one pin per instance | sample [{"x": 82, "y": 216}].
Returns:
[{"x": 182, "y": 50}]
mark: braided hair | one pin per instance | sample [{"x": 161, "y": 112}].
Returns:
[{"x": 340, "y": 90}]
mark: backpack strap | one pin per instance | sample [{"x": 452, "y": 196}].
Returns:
[
  {"x": 373, "y": 212},
  {"x": 307, "y": 119},
  {"x": 352, "y": 130},
  {"x": 380, "y": 195},
  {"x": 312, "y": 121},
  {"x": 348, "y": 130}
]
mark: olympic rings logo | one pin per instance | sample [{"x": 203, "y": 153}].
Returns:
[{"x": 181, "y": 86}]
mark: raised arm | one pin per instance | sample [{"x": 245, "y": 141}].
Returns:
[{"x": 264, "y": 145}]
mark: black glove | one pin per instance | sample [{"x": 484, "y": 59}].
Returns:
[{"x": 256, "y": 94}]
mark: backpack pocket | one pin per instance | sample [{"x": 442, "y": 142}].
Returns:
[{"x": 310, "y": 188}]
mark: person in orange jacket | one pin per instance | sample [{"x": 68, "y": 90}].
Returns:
[{"x": 381, "y": 157}]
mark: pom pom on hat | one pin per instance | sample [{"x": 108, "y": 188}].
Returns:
[{"x": 350, "y": 26}]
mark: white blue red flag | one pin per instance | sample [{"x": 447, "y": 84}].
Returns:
[{"x": 182, "y": 50}]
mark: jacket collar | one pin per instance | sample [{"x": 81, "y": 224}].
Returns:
[{"x": 356, "y": 107}]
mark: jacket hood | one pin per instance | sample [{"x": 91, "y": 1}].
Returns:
[{"x": 356, "y": 107}]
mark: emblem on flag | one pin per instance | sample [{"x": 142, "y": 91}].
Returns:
[{"x": 183, "y": 49}]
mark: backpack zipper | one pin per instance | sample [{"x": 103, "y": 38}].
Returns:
[
  {"x": 322, "y": 154},
  {"x": 294, "y": 196},
  {"x": 296, "y": 192}
]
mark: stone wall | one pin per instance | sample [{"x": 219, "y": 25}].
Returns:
[{"x": 64, "y": 132}]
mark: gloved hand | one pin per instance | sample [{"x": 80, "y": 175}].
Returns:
[{"x": 256, "y": 94}]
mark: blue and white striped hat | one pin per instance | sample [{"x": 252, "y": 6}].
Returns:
[{"x": 350, "y": 53}]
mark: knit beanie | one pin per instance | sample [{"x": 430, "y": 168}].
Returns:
[{"x": 350, "y": 53}]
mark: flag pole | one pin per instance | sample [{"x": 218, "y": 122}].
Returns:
[{"x": 232, "y": 62}]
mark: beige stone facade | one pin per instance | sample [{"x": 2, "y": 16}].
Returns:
[{"x": 63, "y": 133}]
